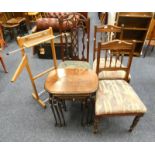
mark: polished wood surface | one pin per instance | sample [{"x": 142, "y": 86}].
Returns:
[{"x": 71, "y": 81}]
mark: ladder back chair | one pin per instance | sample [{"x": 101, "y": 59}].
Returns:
[
  {"x": 75, "y": 43},
  {"x": 107, "y": 33},
  {"x": 117, "y": 97}
]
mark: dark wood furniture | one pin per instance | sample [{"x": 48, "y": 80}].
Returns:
[
  {"x": 11, "y": 23},
  {"x": 70, "y": 84},
  {"x": 106, "y": 33},
  {"x": 136, "y": 26},
  {"x": 117, "y": 97},
  {"x": 75, "y": 43}
]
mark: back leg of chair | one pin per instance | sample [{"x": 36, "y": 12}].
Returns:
[
  {"x": 3, "y": 65},
  {"x": 152, "y": 48},
  {"x": 135, "y": 121},
  {"x": 96, "y": 123}
]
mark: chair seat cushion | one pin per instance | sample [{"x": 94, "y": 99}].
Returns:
[
  {"x": 74, "y": 64},
  {"x": 117, "y": 97},
  {"x": 109, "y": 74}
]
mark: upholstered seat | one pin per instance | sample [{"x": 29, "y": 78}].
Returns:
[
  {"x": 74, "y": 64},
  {"x": 117, "y": 97},
  {"x": 120, "y": 74}
]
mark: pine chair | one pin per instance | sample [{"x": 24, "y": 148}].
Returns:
[
  {"x": 107, "y": 33},
  {"x": 74, "y": 45},
  {"x": 116, "y": 97}
]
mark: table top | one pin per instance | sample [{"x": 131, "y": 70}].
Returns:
[{"x": 71, "y": 81}]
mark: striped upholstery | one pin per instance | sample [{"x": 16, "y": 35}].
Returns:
[
  {"x": 117, "y": 97},
  {"x": 109, "y": 74},
  {"x": 74, "y": 64}
]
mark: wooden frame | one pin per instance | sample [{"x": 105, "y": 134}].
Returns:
[
  {"x": 73, "y": 24},
  {"x": 119, "y": 49},
  {"x": 136, "y": 26},
  {"x": 29, "y": 41},
  {"x": 106, "y": 29},
  {"x": 117, "y": 54}
]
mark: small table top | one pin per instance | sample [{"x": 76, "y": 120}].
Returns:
[{"x": 71, "y": 81}]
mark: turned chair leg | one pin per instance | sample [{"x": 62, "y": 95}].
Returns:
[
  {"x": 135, "y": 121},
  {"x": 152, "y": 48},
  {"x": 3, "y": 65},
  {"x": 146, "y": 50},
  {"x": 53, "y": 110},
  {"x": 96, "y": 123}
]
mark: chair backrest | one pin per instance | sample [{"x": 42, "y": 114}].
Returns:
[
  {"x": 118, "y": 56},
  {"x": 75, "y": 41},
  {"x": 106, "y": 33}
]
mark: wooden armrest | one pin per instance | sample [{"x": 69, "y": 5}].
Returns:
[{"x": 34, "y": 29}]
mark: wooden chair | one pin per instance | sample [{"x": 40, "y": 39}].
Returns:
[
  {"x": 116, "y": 97},
  {"x": 31, "y": 17},
  {"x": 107, "y": 33},
  {"x": 11, "y": 23},
  {"x": 75, "y": 44},
  {"x": 151, "y": 41}
]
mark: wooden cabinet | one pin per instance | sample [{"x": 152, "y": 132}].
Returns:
[{"x": 136, "y": 26}]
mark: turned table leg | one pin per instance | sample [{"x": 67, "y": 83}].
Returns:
[
  {"x": 61, "y": 112},
  {"x": 53, "y": 110}
]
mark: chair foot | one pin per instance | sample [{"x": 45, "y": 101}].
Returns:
[{"x": 135, "y": 121}]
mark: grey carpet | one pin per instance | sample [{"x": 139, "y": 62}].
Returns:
[{"x": 22, "y": 119}]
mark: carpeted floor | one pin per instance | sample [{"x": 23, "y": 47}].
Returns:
[{"x": 22, "y": 119}]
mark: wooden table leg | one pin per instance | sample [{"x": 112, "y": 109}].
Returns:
[
  {"x": 55, "y": 103},
  {"x": 61, "y": 112},
  {"x": 53, "y": 110},
  {"x": 83, "y": 113},
  {"x": 135, "y": 121}
]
